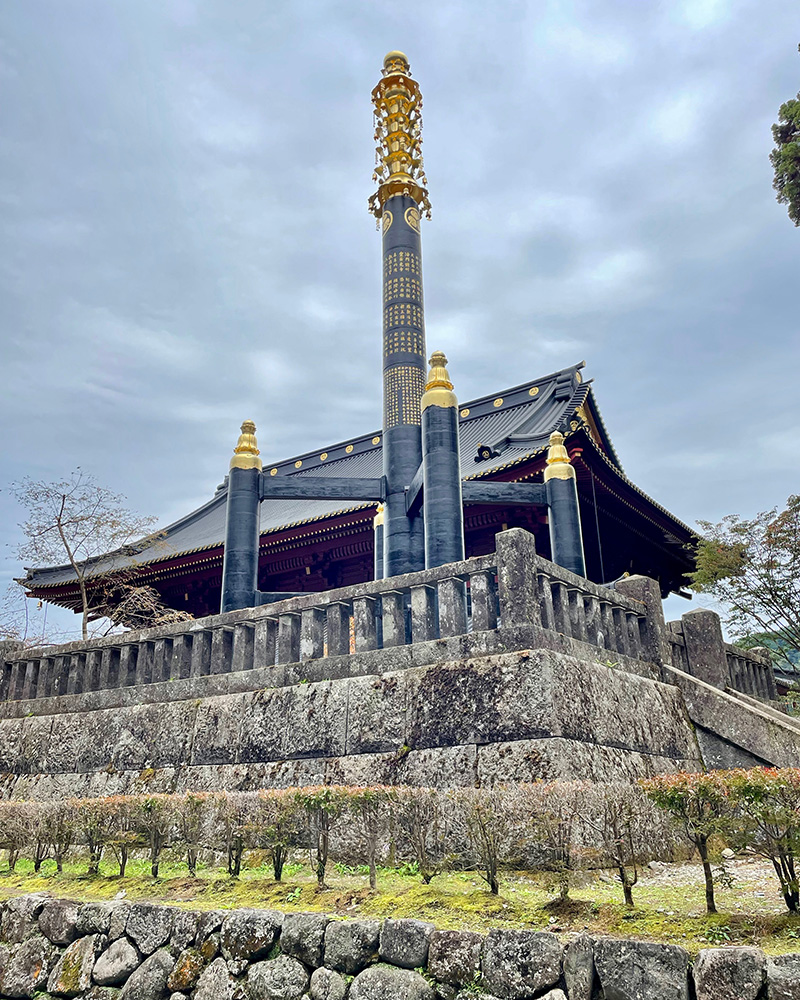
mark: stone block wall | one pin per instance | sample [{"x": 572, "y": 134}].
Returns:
[{"x": 137, "y": 951}]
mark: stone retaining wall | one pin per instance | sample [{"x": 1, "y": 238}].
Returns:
[{"x": 137, "y": 951}]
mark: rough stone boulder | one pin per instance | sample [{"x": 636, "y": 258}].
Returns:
[
  {"x": 184, "y": 930},
  {"x": 579, "y": 967},
  {"x": 58, "y": 921},
  {"x": 730, "y": 973},
  {"x": 454, "y": 957},
  {"x": 148, "y": 926},
  {"x": 72, "y": 974},
  {"x": 351, "y": 945},
  {"x": 29, "y": 967},
  {"x": 20, "y": 917},
  {"x": 215, "y": 983},
  {"x": 281, "y": 978},
  {"x": 783, "y": 974},
  {"x": 385, "y": 982},
  {"x": 188, "y": 966},
  {"x": 327, "y": 985},
  {"x": 303, "y": 937},
  {"x": 247, "y": 935},
  {"x": 518, "y": 964},
  {"x": 149, "y": 981},
  {"x": 638, "y": 970},
  {"x": 116, "y": 963},
  {"x": 95, "y": 918},
  {"x": 405, "y": 943}
]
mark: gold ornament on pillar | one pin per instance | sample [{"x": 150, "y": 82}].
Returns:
[
  {"x": 245, "y": 454},
  {"x": 558, "y": 464},
  {"x": 398, "y": 136},
  {"x": 438, "y": 388}
]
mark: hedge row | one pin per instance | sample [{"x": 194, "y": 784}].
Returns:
[{"x": 560, "y": 826}]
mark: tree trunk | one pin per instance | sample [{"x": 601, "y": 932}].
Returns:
[
  {"x": 627, "y": 888},
  {"x": 702, "y": 848}
]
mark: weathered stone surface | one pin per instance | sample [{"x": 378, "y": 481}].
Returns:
[
  {"x": 303, "y": 937},
  {"x": 249, "y": 934},
  {"x": 350, "y": 945},
  {"x": 72, "y": 974},
  {"x": 118, "y": 919},
  {"x": 104, "y": 993},
  {"x": 149, "y": 981},
  {"x": 327, "y": 985},
  {"x": 783, "y": 975},
  {"x": 215, "y": 983},
  {"x": 554, "y": 995},
  {"x": 579, "y": 967},
  {"x": 148, "y": 926},
  {"x": 519, "y": 963},
  {"x": 29, "y": 967},
  {"x": 385, "y": 982},
  {"x": 454, "y": 957},
  {"x": 95, "y": 918},
  {"x": 637, "y": 970},
  {"x": 209, "y": 949},
  {"x": 58, "y": 921},
  {"x": 281, "y": 978},
  {"x": 116, "y": 963},
  {"x": 729, "y": 973},
  {"x": 20, "y": 916},
  {"x": 207, "y": 923},
  {"x": 188, "y": 966},
  {"x": 405, "y": 943},
  {"x": 184, "y": 930}
]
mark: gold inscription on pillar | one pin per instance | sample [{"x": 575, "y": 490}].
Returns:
[
  {"x": 412, "y": 218},
  {"x": 387, "y": 221},
  {"x": 401, "y": 260},
  {"x": 403, "y": 386}
]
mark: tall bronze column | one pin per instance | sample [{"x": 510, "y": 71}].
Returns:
[{"x": 398, "y": 203}]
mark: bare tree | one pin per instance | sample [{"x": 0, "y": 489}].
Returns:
[{"x": 80, "y": 520}]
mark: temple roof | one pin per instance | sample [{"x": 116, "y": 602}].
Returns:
[{"x": 497, "y": 432}]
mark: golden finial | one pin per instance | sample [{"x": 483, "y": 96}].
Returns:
[
  {"x": 558, "y": 464},
  {"x": 377, "y": 521},
  {"x": 398, "y": 134},
  {"x": 245, "y": 454},
  {"x": 438, "y": 388}
]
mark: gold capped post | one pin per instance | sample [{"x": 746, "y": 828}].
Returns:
[
  {"x": 377, "y": 521},
  {"x": 438, "y": 388},
  {"x": 245, "y": 454},
  {"x": 398, "y": 136},
  {"x": 558, "y": 464}
]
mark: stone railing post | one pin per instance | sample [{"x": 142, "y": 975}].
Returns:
[
  {"x": 517, "y": 578},
  {"x": 655, "y": 642},
  {"x": 766, "y": 657},
  {"x": 705, "y": 647}
]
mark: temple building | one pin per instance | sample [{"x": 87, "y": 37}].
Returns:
[
  {"x": 312, "y": 545},
  {"x": 321, "y": 511}
]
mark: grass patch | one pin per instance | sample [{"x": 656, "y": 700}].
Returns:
[{"x": 669, "y": 902}]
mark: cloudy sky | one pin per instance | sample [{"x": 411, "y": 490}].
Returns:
[{"x": 185, "y": 241}]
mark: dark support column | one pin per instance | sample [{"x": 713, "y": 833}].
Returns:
[
  {"x": 442, "y": 504},
  {"x": 564, "y": 517},
  {"x": 400, "y": 199},
  {"x": 240, "y": 566},
  {"x": 377, "y": 526}
]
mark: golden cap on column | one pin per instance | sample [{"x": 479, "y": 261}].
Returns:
[
  {"x": 438, "y": 388},
  {"x": 245, "y": 454},
  {"x": 377, "y": 521},
  {"x": 558, "y": 465}
]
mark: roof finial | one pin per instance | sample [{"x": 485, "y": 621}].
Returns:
[
  {"x": 438, "y": 388},
  {"x": 398, "y": 136},
  {"x": 245, "y": 454},
  {"x": 558, "y": 464}
]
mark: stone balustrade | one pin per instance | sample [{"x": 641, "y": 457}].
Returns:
[{"x": 510, "y": 587}]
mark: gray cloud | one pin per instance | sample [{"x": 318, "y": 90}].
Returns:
[{"x": 182, "y": 210}]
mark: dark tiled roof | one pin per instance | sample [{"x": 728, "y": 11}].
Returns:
[{"x": 514, "y": 424}]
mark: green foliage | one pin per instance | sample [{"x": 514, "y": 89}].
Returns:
[
  {"x": 752, "y": 565},
  {"x": 785, "y": 157}
]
